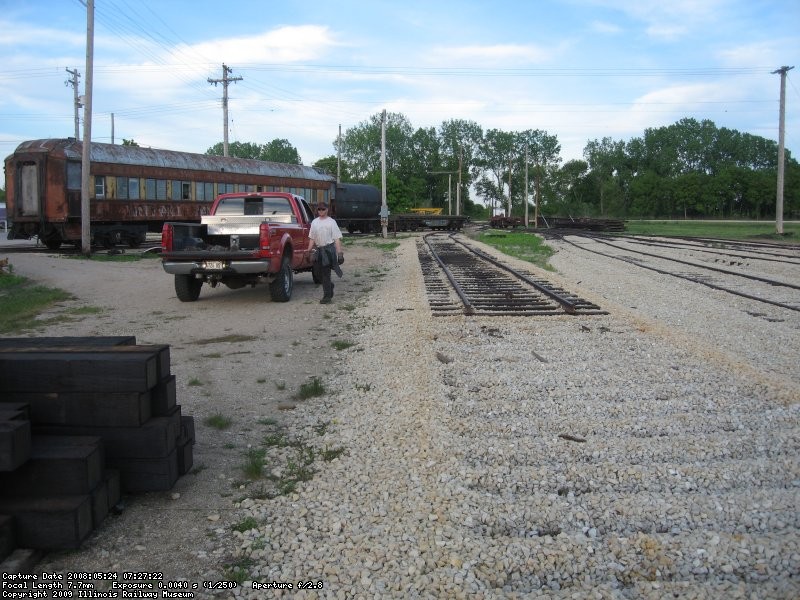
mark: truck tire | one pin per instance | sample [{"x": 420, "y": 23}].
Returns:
[
  {"x": 187, "y": 288},
  {"x": 280, "y": 289}
]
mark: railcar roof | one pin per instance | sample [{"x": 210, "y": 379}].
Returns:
[{"x": 153, "y": 157}]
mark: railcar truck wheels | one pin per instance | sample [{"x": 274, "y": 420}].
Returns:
[
  {"x": 280, "y": 289},
  {"x": 187, "y": 288}
]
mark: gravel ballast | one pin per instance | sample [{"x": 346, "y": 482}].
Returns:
[
  {"x": 639, "y": 454},
  {"x": 651, "y": 452}
]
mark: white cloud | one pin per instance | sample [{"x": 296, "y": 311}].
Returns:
[
  {"x": 667, "y": 20},
  {"x": 288, "y": 44}
]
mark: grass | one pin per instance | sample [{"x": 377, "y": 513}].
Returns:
[
  {"x": 253, "y": 467},
  {"x": 218, "y": 421},
  {"x": 311, "y": 389},
  {"x": 525, "y": 246},
  {"x": 385, "y": 246},
  {"x": 737, "y": 230},
  {"x": 342, "y": 344},
  {"x": 21, "y": 302}
]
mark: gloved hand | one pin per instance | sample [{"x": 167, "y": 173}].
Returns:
[{"x": 340, "y": 258}]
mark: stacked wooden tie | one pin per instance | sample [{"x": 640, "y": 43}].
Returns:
[{"x": 82, "y": 421}]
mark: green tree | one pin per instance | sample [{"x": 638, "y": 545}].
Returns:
[
  {"x": 237, "y": 150},
  {"x": 420, "y": 163},
  {"x": 460, "y": 141},
  {"x": 281, "y": 151},
  {"x": 278, "y": 150},
  {"x": 496, "y": 156},
  {"x": 331, "y": 165},
  {"x": 544, "y": 158},
  {"x": 361, "y": 145}
]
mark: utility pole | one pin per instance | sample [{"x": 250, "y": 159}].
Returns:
[
  {"x": 77, "y": 103},
  {"x": 339, "y": 156},
  {"x": 509, "y": 189},
  {"x": 384, "y": 214},
  {"x": 781, "y": 160},
  {"x": 538, "y": 196},
  {"x": 225, "y": 81},
  {"x": 458, "y": 190},
  {"x": 526, "y": 185},
  {"x": 86, "y": 230}
]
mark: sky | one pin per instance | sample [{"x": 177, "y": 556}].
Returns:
[{"x": 578, "y": 69}]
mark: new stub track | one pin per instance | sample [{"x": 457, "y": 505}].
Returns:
[{"x": 460, "y": 279}]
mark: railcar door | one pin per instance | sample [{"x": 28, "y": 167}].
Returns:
[{"x": 29, "y": 201}]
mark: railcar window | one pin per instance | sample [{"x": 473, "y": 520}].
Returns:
[
  {"x": 133, "y": 188},
  {"x": 149, "y": 189},
  {"x": 205, "y": 192},
  {"x": 73, "y": 175},
  {"x": 99, "y": 186},
  {"x": 175, "y": 190},
  {"x": 186, "y": 191},
  {"x": 122, "y": 188}
]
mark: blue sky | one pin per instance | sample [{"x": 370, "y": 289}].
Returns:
[{"x": 578, "y": 69}]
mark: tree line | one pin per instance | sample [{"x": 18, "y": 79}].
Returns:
[{"x": 690, "y": 169}]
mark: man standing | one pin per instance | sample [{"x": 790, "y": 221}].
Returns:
[{"x": 326, "y": 237}]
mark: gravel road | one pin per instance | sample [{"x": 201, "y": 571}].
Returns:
[{"x": 648, "y": 453}]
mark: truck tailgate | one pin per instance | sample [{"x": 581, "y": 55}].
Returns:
[{"x": 240, "y": 224}]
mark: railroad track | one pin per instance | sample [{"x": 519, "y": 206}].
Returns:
[
  {"x": 765, "y": 290},
  {"x": 460, "y": 279}
]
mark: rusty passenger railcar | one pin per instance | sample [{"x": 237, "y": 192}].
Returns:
[{"x": 133, "y": 190}]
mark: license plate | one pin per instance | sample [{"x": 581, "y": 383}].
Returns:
[{"x": 214, "y": 265}]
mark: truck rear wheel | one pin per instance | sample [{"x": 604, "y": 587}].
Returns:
[
  {"x": 280, "y": 289},
  {"x": 187, "y": 288}
]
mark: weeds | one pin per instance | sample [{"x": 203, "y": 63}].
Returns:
[
  {"x": 342, "y": 344},
  {"x": 253, "y": 467},
  {"x": 246, "y": 525},
  {"x": 329, "y": 454},
  {"x": 218, "y": 421},
  {"x": 239, "y": 569},
  {"x": 311, "y": 389},
  {"x": 295, "y": 454}
]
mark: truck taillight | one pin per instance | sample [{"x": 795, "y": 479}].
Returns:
[
  {"x": 263, "y": 236},
  {"x": 166, "y": 238}
]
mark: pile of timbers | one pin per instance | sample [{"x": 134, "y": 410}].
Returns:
[{"x": 83, "y": 421}]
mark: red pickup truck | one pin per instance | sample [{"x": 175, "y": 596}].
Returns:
[{"x": 248, "y": 238}]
